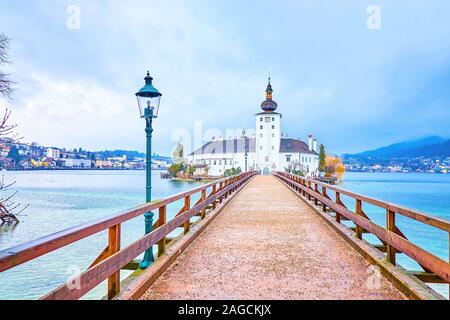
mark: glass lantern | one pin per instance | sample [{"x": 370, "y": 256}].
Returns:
[{"x": 148, "y": 98}]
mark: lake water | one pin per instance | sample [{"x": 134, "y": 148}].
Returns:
[
  {"x": 428, "y": 193},
  {"x": 63, "y": 199}
]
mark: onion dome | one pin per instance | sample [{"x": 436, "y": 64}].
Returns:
[{"x": 269, "y": 105}]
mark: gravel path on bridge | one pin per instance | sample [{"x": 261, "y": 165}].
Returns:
[{"x": 267, "y": 244}]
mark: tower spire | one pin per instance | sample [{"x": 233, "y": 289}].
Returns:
[
  {"x": 269, "y": 105},
  {"x": 269, "y": 90}
]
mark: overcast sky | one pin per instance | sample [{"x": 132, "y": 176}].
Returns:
[{"x": 352, "y": 87}]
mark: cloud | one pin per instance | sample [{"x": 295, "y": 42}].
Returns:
[
  {"x": 351, "y": 87},
  {"x": 75, "y": 114}
]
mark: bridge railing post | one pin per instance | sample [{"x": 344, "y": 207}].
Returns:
[
  {"x": 203, "y": 199},
  {"x": 187, "y": 206},
  {"x": 359, "y": 211},
  {"x": 214, "y": 191},
  {"x": 390, "y": 224},
  {"x": 113, "y": 248},
  {"x": 339, "y": 202},
  {"x": 309, "y": 187},
  {"x": 221, "y": 186},
  {"x": 162, "y": 221},
  {"x": 324, "y": 193},
  {"x": 316, "y": 189}
]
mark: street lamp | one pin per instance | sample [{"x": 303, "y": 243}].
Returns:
[
  {"x": 148, "y": 101},
  {"x": 246, "y": 149}
]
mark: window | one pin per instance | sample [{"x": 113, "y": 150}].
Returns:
[
  {"x": 225, "y": 162},
  {"x": 261, "y": 119},
  {"x": 273, "y": 135},
  {"x": 215, "y": 162},
  {"x": 261, "y": 135},
  {"x": 267, "y": 119},
  {"x": 220, "y": 162},
  {"x": 261, "y": 127},
  {"x": 273, "y": 127},
  {"x": 260, "y": 147},
  {"x": 273, "y": 147},
  {"x": 288, "y": 158},
  {"x": 273, "y": 119},
  {"x": 267, "y": 159}
]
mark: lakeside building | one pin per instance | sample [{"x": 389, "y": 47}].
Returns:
[
  {"x": 77, "y": 163},
  {"x": 268, "y": 151},
  {"x": 16, "y": 155},
  {"x": 53, "y": 153}
]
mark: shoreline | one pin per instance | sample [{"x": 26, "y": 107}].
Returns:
[
  {"x": 81, "y": 169},
  {"x": 413, "y": 172}
]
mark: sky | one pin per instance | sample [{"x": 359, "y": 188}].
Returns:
[{"x": 352, "y": 86}]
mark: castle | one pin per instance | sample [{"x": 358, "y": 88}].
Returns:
[{"x": 268, "y": 151}]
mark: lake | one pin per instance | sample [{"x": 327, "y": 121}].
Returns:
[
  {"x": 62, "y": 199},
  {"x": 424, "y": 192}
]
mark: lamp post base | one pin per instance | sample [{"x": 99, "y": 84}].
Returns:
[{"x": 149, "y": 258}]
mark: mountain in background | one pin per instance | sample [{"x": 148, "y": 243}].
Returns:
[{"x": 432, "y": 146}]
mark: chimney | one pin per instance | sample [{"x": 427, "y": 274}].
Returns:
[
  {"x": 315, "y": 145},
  {"x": 310, "y": 143}
]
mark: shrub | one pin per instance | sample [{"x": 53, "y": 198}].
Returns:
[{"x": 175, "y": 168}]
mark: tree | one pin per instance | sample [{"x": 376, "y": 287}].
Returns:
[
  {"x": 178, "y": 154},
  {"x": 335, "y": 168},
  {"x": 232, "y": 172},
  {"x": 322, "y": 159},
  {"x": 5, "y": 83},
  {"x": 191, "y": 170},
  {"x": 9, "y": 209},
  {"x": 175, "y": 168}
]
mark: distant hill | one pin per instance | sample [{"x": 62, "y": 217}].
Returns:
[{"x": 433, "y": 146}]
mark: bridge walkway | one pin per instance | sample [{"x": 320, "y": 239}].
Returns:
[{"x": 268, "y": 244}]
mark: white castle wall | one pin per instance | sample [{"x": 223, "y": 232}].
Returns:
[
  {"x": 268, "y": 136},
  {"x": 219, "y": 162}
]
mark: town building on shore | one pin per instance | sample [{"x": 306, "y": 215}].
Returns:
[
  {"x": 267, "y": 152},
  {"x": 53, "y": 153}
]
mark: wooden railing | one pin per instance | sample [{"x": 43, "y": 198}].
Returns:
[
  {"x": 113, "y": 259},
  {"x": 393, "y": 240}
]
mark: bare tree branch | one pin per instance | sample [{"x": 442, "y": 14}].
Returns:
[
  {"x": 8, "y": 207},
  {"x": 6, "y": 85}
]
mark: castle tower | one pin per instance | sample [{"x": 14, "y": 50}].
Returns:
[{"x": 268, "y": 135}]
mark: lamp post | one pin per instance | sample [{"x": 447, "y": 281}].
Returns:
[
  {"x": 148, "y": 101},
  {"x": 246, "y": 149}
]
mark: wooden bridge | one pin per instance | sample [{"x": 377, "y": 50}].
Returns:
[{"x": 254, "y": 237}]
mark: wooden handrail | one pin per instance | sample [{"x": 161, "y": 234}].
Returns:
[
  {"x": 22, "y": 253},
  {"x": 114, "y": 258},
  {"x": 410, "y": 213},
  {"x": 396, "y": 242}
]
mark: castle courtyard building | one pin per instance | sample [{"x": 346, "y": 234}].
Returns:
[{"x": 269, "y": 151}]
